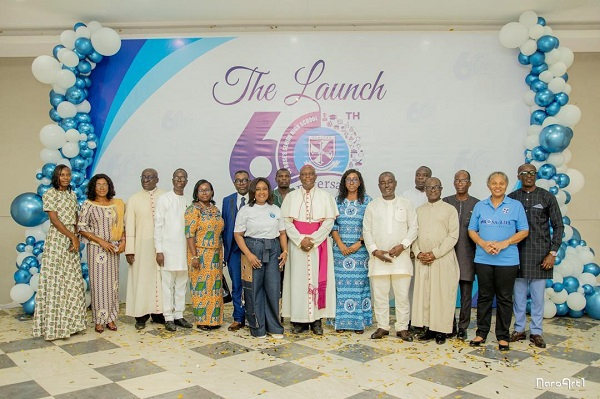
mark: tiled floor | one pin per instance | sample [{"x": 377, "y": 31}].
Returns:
[{"x": 154, "y": 363}]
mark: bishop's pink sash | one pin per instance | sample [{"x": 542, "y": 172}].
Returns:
[{"x": 309, "y": 228}]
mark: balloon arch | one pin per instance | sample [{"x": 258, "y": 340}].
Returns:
[{"x": 71, "y": 140}]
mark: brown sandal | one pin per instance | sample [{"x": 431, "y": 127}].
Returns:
[
  {"x": 99, "y": 328},
  {"x": 112, "y": 326}
]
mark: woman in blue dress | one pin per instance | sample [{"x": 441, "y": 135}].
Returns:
[{"x": 353, "y": 303}]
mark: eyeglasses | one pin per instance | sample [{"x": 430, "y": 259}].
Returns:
[
  {"x": 207, "y": 191},
  {"x": 353, "y": 180},
  {"x": 461, "y": 181},
  {"x": 180, "y": 178},
  {"x": 528, "y": 172},
  {"x": 147, "y": 177},
  {"x": 431, "y": 188},
  {"x": 241, "y": 181}
]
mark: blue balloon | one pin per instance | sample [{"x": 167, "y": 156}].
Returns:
[
  {"x": 79, "y": 55},
  {"x": 530, "y": 78},
  {"x": 538, "y": 85},
  {"x": 583, "y": 243},
  {"x": 95, "y": 57},
  {"x": 573, "y": 243},
  {"x": 75, "y": 95},
  {"x": 85, "y": 269},
  {"x": 84, "y": 185},
  {"x": 27, "y": 210},
  {"x": 568, "y": 194},
  {"x": 591, "y": 268},
  {"x": 21, "y": 247},
  {"x": 588, "y": 289},
  {"x": 547, "y": 43},
  {"x": 557, "y": 287},
  {"x": 571, "y": 284},
  {"x": 562, "y": 98},
  {"x": 541, "y": 21},
  {"x": 53, "y": 114},
  {"x": 78, "y": 25},
  {"x": 83, "y": 145},
  {"x": 539, "y": 68},
  {"x": 56, "y": 98},
  {"x": 553, "y": 108},
  {"x": 81, "y": 117},
  {"x": 80, "y": 82},
  {"x": 77, "y": 177},
  {"x": 84, "y": 66},
  {"x": 555, "y": 138},
  {"x": 68, "y": 123},
  {"x": 39, "y": 176},
  {"x": 537, "y": 58},
  {"x": 56, "y": 49},
  {"x": 576, "y": 234},
  {"x": 566, "y": 220},
  {"x": 72, "y": 69},
  {"x": 553, "y": 190},
  {"x": 77, "y": 163},
  {"x": 562, "y": 179},
  {"x": 539, "y": 154},
  {"x": 565, "y": 77},
  {"x": 537, "y": 118},
  {"x": 575, "y": 313},
  {"x": 22, "y": 277},
  {"x": 42, "y": 188},
  {"x": 86, "y": 153},
  {"x": 37, "y": 251},
  {"x": 549, "y": 282},
  {"x": 29, "y": 306},
  {"x": 544, "y": 97},
  {"x": 523, "y": 59},
  {"x": 87, "y": 282},
  {"x": 86, "y": 128},
  {"x": 88, "y": 82},
  {"x": 48, "y": 170},
  {"x": 562, "y": 309},
  {"x": 84, "y": 46},
  {"x": 592, "y": 306}
]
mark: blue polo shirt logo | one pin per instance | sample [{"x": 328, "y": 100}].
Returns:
[{"x": 505, "y": 210}]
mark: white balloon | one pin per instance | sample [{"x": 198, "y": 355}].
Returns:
[
  {"x": 558, "y": 69},
  {"x": 69, "y": 58},
  {"x": 537, "y": 164},
  {"x": 546, "y": 76},
  {"x": 33, "y": 270},
  {"x": 556, "y": 158},
  {"x": 513, "y": 35},
  {"x": 532, "y": 141},
  {"x": 107, "y": 41},
  {"x": 568, "y": 233},
  {"x": 576, "y": 301},
  {"x": 82, "y": 137},
  {"x": 66, "y": 109},
  {"x": 549, "y": 121},
  {"x": 549, "y": 309},
  {"x": 70, "y": 149},
  {"x": 552, "y": 56},
  {"x": 556, "y": 277},
  {"x": 67, "y": 38},
  {"x": 543, "y": 183},
  {"x": 529, "y": 99},
  {"x": 46, "y": 226},
  {"x": 577, "y": 267},
  {"x": 91, "y": 145},
  {"x": 547, "y": 30},
  {"x": 45, "y": 68},
  {"x": 64, "y": 161},
  {"x": 72, "y": 135},
  {"x": 46, "y": 181},
  {"x": 58, "y": 88},
  {"x": 48, "y": 155},
  {"x": 528, "y": 18},
  {"x": 83, "y": 31},
  {"x": 36, "y": 232},
  {"x": 535, "y": 32},
  {"x": 560, "y": 297},
  {"x": 84, "y": 107},
  {"x": 548, "y": 294},
  {"x": 564, "y": 209},
  {"x": 21, "y": 293},
  {"x": 567, "y": 89},
  {"x": 21, "y": 256},
  {"x": 28, "y": 248},
  {"x": 529, "y": 47},
  {"x": 556, "y": 85},
  {"x": 567, "y": 154},
  {"x": 52, "y": 136},
  {"x": 577, "y": 181},
  {"x": 93, "y": 26},
  {"x": 34, "y": 282},
  {"x": 567, "y": 56},
  {"x": 65, "y": 78},
  {"x": 561, "y": 169},
  {"x": 585, "y": 255},
  {"x": 88, "y": 299},
  {"x": 534, "y": 129},
  {"x": 569, "y": 115},
  {"x": 587, "y": 278}
]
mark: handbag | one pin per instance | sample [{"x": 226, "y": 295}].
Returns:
[{"x": 226, "y": 292}]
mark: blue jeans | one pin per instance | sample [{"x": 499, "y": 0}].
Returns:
[
  {"x": 262, "y": 294},
  {"x": 536, "y": 288}
]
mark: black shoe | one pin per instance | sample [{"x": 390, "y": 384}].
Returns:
[
  {"x": 316, "y": 327},
  {"x": 140, "y": 325},
  {"x": 299, "y": 327},
  {"x": 428, "y": 335},
  {"x": 183, "y": 323},
  {"x": 503, "y": 348},
  {"x": 170, "y": 326},
  {"x": 379, "y": 333},
  {"x": 462, "y": 334},
  {"x": 476, "y": 343},
  {"x": 404, "y": 335},
  {"x": 440, "y": 338},
  {"x": 157, "y": 318}
]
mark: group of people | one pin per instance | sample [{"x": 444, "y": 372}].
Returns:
[{"x": 304, "y": 255}]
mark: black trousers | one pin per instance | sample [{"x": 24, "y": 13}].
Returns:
[
  {"x": 466, "y": 300},
  {"x": 156, "y": 317},
  {"x": 496, "y": 281}
]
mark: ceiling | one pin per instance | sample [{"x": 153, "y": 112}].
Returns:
[{"x": 25, "y": 24}]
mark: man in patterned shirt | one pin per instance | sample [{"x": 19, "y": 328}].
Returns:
[{"x": 537, "y": 253}]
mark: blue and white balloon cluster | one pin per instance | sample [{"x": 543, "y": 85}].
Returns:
[
  {"x": 69, "y": 140},
  {"x": 574, "y": 286}
]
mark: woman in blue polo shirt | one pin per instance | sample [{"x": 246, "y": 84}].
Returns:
[{"x": 497, "y": 224}]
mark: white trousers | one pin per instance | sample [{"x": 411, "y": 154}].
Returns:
[
  {"x": 174, "y": 284},
  {"x": 380, "y": 286}
]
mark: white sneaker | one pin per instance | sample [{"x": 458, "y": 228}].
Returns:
[
  {"x": 261, "y": 337},
  {"x": 276, "y": 336}
]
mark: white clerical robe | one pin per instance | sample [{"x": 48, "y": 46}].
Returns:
[
  {"x": 416, "y": 197},
  {"x": 388, "y": 223},
  {"x": 144, "y": 294},
  {"x": 169, "y": 231},
  {"x": 302, "y": 268},
  {"x": 434, "y": 297}
]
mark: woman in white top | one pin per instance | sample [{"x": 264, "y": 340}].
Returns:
[{"x": 260, "y": 233}]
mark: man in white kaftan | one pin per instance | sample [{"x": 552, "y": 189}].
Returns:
[
  {"x": 144, "y": 292},
  {"x": 436, "y": 266},
  {"x": 389, "y": 228},
  {"x": 309, "y": 282}
]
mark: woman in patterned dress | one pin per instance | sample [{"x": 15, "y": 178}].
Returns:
[
  {"x": 203, "y": 227},
  {"x": 353, "y": 306},
  {"x": 102, "y": 226},
  {"x": 60, "y": 299}
]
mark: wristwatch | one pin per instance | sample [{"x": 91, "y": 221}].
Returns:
[{"x": 553, "y": 253}]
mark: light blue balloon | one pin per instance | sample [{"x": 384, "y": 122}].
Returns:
[
  {"x": 80, "y": 82},
  {"x": 68, "y": 123},
  {"x": 83, "y": 118},
  {"x": 27, "y": 210},
  {"x": 37, "y": 251},
  {"x": 77, "y": 177},
  {"x": 592, "y": 306},
  {"x": 79, "y": 55},
  {"x": 29, "y": 306},
  {"x": 555, "y": 138},
  {"x": 77, "y": 163},
  {"x": 86, "y": 153},
  {"x": 86, "y": 128},
  {"x": 75, "y": 95},
  {"x": 565, "y": 77},
  {"x": 546, "y": 171}
]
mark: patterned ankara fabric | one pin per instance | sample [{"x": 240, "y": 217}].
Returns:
[
  {"x": 205, "y": 226},
  {"x": 60, "y": 299},
  {"x": 542, "y": 211},
  {"x": 103, "y": 265},
  {"x": 353, "y": 293}
]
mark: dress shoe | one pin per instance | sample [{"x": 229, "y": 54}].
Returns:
[
  {"x": 170, "y": 326},
  {"x": 503, "y": 347},
  {"x": 428, "y": 335},
  {"x": 517, "y": 336},
  {"x": 461, "y": 334},
  {"x": 440, "y": 338},
  {"x": 99, "y": 328},
  {"x": 359, "y": 331},
  {"x": 379, "y": 333},
  {"x": 297, "y": 328},
  {"x": 112, "y": 326},
  {"x": 140, "y": 325},
  {"x": 477, "y": 342},
  {"x": 339, "y": 331},
  {"x": 404, "y": 335},
  {"x": 236, "y": 325},
  {"x": 183, "y": 323},
  {"x": 158, "y": 318},
  {"x": 537, "y": 340},
  {"x": 316, "y": 327}
]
